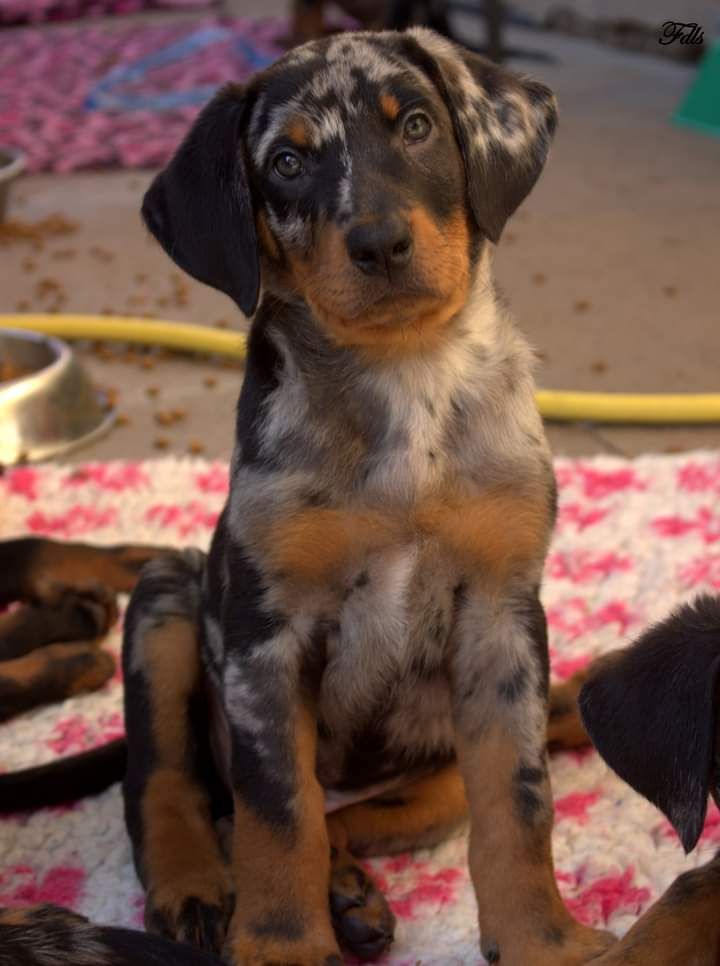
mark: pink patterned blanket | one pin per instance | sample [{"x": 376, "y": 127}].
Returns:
[
  {"x": 92, "y": 96},
  {"x": 633, "y": 539}
]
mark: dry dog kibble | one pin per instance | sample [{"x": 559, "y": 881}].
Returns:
[
  {"x": 195, "y": 447},
  {"x": 102, "y": 254},
  {"x": 28, "y": 264},
  {"x": 210, "y": 382},
  {"x": 168, "y": 417},
  {"x": 599, "y": 366},
  {"x": 581, "y": 305},
  {"x": 538, "y": 278},
  {"x": 161, "y": 442},
  {"x": 122, "y": 420},
  {"x": 22, "y": 305},
  {"x": 221, "y": 324},
  {"x": 152, "y": 391},
  {"x": 140, "y": 277},
  {"x": 35, "y": 232},
  {"x": 670, "y": 291},
  {"x": 147, "y": 362},
  {"x": 46, "y": 287}
]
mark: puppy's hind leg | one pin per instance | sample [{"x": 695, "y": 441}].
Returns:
[{"x": 168, "y": 805}]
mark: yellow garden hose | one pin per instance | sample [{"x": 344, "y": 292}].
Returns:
[{"x": 569, "y": 406}]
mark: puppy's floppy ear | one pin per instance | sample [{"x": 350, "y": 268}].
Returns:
[
  {"x": 504, "y": 123},
  {"x": 199, "y": 208},
  {"x": 652, "y": 713}
]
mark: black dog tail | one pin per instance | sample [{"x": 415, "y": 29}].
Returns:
[
  {"x": 65, "y": 780},
  {"x": 48, "y": 935}
]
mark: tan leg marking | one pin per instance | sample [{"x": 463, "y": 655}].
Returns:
[
  {"x": 432, "y": 808},
  {"x": 522, "y": 917},
  {"x": 181, "y": 854},
  {"x": 282, "y": 876}
]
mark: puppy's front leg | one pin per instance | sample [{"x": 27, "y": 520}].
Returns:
[
  {"x": 500, "y": 686},
  {"x": 281, "y": 853}
]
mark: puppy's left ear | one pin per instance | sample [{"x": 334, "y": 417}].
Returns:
[
  {"x": 504, "y": 124},
  {"x": 652, "y": 713},
  {"x": 199, "y": 207}
]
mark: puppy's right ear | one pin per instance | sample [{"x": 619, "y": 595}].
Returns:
[
  {"x": 199, "y": 207},
  {"x": 652, "y": 713}
]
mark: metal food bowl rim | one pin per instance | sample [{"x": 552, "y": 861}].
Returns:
[
  {"x": 16, "y": 165},
  {"x": 63, "y": 354}
]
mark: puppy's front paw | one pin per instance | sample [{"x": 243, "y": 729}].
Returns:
[
  {"x": 95, "y": 606},
  {"x": 569, "y": 945},
  {"x": 361, "y": 917},
  {"x": 276, "y": 940},
  {"x": 189, "y": 919}
]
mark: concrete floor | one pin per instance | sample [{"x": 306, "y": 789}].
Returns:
[{"x": 611, "y": 266}]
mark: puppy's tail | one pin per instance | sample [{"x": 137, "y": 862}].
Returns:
[
  {"x": 47, "y": 935},
  {"x": 65, "y": 780}
]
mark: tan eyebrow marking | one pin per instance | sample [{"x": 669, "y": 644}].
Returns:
[
  {"x": 390, "y": 106},
  {"x": 298, "y": 132}
]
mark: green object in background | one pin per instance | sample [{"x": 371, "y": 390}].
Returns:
[{"x": 701, "y": 107}]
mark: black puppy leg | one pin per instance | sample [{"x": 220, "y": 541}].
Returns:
[
  {"x": 167, "y": 803},
  {"x": 75, "y": 617},
  {"x": 281, "y": 850},
  {"x": 42, "y": 570},
  {"x": 51, "y": 674}
]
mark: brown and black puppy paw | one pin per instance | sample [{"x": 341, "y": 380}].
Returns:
[
  {"x": 90, "y": 612},
  {"x": 200, "y": 923},
  {"x": 361, "y": 917}
]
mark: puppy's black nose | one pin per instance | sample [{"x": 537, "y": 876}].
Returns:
[{"x": 380, "y": 247}]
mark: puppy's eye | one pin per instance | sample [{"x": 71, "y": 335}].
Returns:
[
  {"x": 417, "y": 127},
  {"x": 288, "y": 165}
]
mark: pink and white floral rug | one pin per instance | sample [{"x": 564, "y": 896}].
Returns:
[{"x": 633, "y": 539}]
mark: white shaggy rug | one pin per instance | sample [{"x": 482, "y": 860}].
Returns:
[{"x": 633, "y": 539}]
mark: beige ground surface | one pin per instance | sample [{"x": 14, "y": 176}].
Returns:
[{"x": 612, "y": 266}]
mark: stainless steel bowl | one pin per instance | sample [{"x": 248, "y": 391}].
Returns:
[
  {"x": 12, "y": 164},
  {"x": 51, "y": 409}
]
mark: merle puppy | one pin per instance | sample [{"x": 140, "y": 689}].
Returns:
[{"x": 362, "y": 658}]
